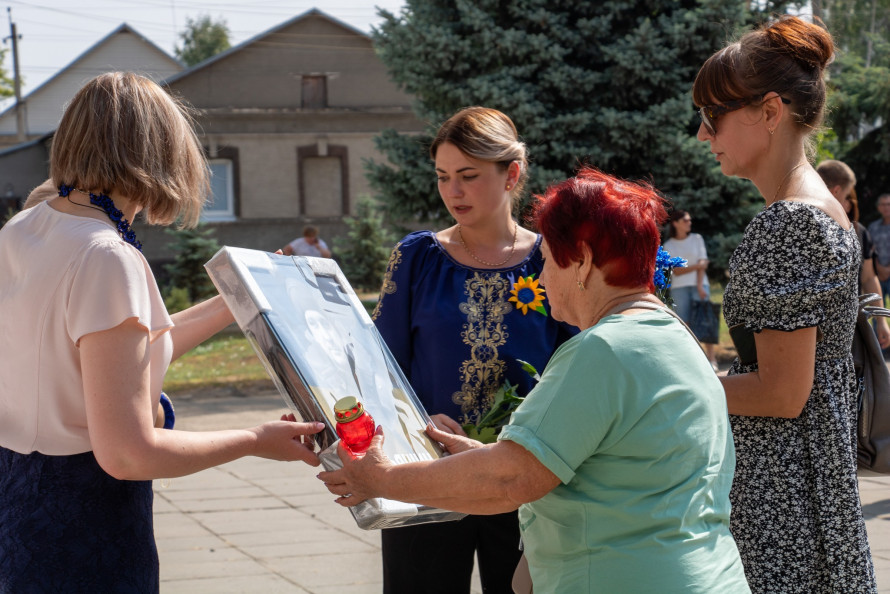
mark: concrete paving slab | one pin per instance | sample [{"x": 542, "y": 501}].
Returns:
[
  {"x": 267, "y": 584},
  {"x": 263, "y": 526}
]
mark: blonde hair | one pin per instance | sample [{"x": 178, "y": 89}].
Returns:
[
  {"x": 487, "y": 135},
  {"x": 123, "y": 133}
]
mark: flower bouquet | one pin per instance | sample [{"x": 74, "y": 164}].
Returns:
[
  {"x": 664, "y": 267},
  {"x": 506, "y": 400}
]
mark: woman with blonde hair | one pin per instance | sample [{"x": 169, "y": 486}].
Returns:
[
  {"x": 461, "y": 310},
  {"x": 85, "y": 342},
  {"x": 791, "y": 304}
]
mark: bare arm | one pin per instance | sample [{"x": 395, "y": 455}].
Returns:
[
  {"x": 489, "y": 479},
  {"x": 198, "y": 323},
  {"x": 784, "y": 379},
  {"x": 871, "y": 284},
  {"x": 882, "y": 271},
  {"x": 120, "y": 417},
  {"x": 689, "y": 268}
]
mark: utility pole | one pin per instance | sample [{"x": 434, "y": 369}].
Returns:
[{"x": 17, "y": 80}]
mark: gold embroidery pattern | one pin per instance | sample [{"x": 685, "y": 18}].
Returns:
[
  {"x": 484, "y": 332},
  {"x": 388, "y": 287}
]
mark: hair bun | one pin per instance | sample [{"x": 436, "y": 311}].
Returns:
[{"x": 810, "y": 45}]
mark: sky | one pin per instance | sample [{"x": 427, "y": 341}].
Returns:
[{"x": 55, "y": 32}]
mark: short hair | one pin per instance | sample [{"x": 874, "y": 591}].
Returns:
[
  {"x": 123, "y": 133},
  {"x": 882, "y": 196},
  {"x": 837, "y": 173},
  {"x": 788, "y": 57},
  {"x": 310, "y": 231},
  {"x": 488, "y": 135},
  {"x": 619, "y": 220},
  {"x": 675, "y": 216}
]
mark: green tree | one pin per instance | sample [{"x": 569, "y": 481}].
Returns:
[
  {"x": 193, "y": 247},
  {"x": 859, "y": 102},
  {"x": 7, "y": 88},
  {"x": 364, "y": 252},
  {"x": 606, "y": 83},
  {"x": 203, "y": 38}
]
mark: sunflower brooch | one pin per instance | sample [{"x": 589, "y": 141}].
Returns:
[{"x": 527, "y": 295}]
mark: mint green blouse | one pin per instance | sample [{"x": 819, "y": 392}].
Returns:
[{"x": 631, "y": 418}]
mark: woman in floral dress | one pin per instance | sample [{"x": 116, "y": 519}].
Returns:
[{"x": 792, "y": 298}]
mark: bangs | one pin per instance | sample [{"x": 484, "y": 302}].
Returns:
[{"x": 718, "y": 81}]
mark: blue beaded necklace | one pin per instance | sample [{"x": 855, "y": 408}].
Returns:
[{"x": 104, "y": 203}]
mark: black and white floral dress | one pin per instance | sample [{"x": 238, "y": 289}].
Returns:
[{"x": 795, "y": 500}]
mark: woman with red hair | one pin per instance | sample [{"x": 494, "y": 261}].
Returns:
[{"x": 620, "y": 460}]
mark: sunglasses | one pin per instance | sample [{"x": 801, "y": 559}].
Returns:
[{"x": 710, "y": 113}]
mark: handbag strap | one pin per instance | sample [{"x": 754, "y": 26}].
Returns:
[
  {"x": 655, "y": 305},
  {"x": 872, "y": 310}
]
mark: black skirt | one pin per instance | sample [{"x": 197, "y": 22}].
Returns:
[{"x": 68, "y": 526}]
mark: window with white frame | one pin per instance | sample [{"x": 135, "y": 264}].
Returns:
[{"x": 220, "y": 206}]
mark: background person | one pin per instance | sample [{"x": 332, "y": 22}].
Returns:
[
  {"x": 308, "y": 245},
  {"x": 84, "y": 345},
  {"x": 689, "y": 283},
  {"x": 880, "y": 235},
  {"x": 445, "y": 311},
  {"x": 620, "y": 460},
  {"x": 793, "y": 287},
  {"x": 841, "y": 182}
]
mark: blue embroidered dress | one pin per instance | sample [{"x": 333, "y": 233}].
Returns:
[
  {"x": 457, "y": 337},
  {"x": 454, "y": 331}
]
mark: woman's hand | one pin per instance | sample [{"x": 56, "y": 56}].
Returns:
[
  {"x": 361, "y": 476},
  {"x": 454, "y": 444},
  {"x": 287, "y": 440},
  {"x": 883, "y": 331},
  {"x": 448, "y": 425}
]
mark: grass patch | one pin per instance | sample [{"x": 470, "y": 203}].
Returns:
[{"x": 224, "y": 360}]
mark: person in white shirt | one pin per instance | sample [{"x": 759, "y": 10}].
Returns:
[
  {"x": 690, "y": 283},
  {"x": 308, "y": 245}
]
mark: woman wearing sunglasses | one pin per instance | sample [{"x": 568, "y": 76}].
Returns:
[{"x": 791, "y": 302}]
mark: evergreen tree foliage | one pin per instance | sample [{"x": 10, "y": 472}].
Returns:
[
  {"x": 203, "y": 38},
  {"x": 605, "y": 83},
  {"x": 193, "y": 247},
  {"x": 364, "y": 252}
]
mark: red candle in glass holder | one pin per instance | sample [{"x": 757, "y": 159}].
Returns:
[{"x": 355, "y": 426}]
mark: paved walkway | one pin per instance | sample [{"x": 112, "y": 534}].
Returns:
[{"x": 261, "y": 526}]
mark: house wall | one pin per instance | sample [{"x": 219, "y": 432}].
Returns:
[
  {"x": 124, "y": 50},
  {"x": 268, "y": 72},
  {"x": 21, "y": 171}
]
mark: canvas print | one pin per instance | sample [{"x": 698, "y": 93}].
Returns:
[{"x": 318, "y": 344}]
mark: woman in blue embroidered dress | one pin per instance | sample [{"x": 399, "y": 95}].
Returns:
[
  {"x": 459, "y": 310},
  {"x": 85, "y": 341}
]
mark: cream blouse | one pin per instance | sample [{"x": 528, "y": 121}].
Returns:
[{"x": 61, "y": 277}]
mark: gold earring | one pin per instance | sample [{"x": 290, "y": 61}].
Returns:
[
  {"x": 509, "y": 186},
  {"x": 581, "y": 285}
]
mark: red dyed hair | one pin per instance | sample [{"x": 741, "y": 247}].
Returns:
[{"x": 617, "y": 219}]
